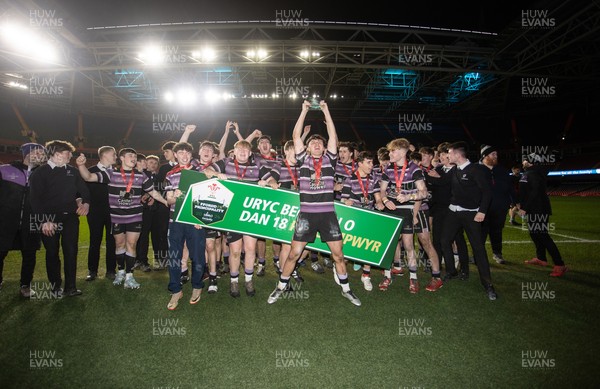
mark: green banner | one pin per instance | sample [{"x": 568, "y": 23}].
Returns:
[{"x": 369, "y": 237}]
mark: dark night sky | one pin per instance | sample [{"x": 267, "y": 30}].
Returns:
[{"x": 481, "y": 15}]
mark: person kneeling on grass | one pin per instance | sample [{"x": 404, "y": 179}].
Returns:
[{"x": 125, "y": 188}]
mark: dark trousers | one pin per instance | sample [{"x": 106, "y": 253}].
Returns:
[
  {"x": 195, "y": 240},
  {"x": 161, "y": 224},
  {"x": 150, "y": 226},
  {"x": 67, "y": 237},
  {"x": 100, "y": 224},
  {"x": 439, "y": 221},
  {"x": 492, "y": 226},
  {"x": 464, "y": 219},
  {"x": 538, "y": 226},
  {"x": 27, "y": 265}
]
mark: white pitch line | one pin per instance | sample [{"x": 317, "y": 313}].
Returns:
[{"x": 554, "y": 233}]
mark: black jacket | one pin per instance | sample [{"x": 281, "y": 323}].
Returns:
[
  {"x": 15, "y": 209},
  {"x": 54, "y": 191},
  {"x": 503, "y": 191},
  {"x": 470, "y": 187},
  {"x": 440, "y": 188},
  {"x": 532, "y": 191},
  {"x": 98, "y": 195}
]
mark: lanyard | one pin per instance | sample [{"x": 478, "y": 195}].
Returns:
[
  {"x": 399, "y": 182},
  {"x": 349, "y": 173},
  {"x": 364, "y": 188},
  {"x": 294, "y": 176},
  {"x": 317, "y": 166},
  {"x": 237, "y": 169},
  {"x": 207, "y": 164},
  {"x": 179, "y": 168},
  {"x": 130, "y": 183}
]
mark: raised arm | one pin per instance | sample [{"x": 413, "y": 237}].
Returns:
[
  {"x": 255, "y": 134},
  {"x": 297, "y": 134},
  {"x": 223, "y": 142},
  {"x": 332, "y": 140},
  {"x": 186, "y": 133},
  {"x": 85, "y": 173},
  {"x": 305, "y": 132},
  {"x": 236, "y": 131}
]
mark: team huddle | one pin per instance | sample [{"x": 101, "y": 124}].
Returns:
[{"x": 439, "y": 194}]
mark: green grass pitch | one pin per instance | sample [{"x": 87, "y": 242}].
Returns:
[{"x": 314, "y": 338}]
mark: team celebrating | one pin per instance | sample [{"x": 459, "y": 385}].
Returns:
[{"x": 129, "y": 200}]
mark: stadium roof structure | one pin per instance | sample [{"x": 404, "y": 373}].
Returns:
[{"x": 259, "y": 70}]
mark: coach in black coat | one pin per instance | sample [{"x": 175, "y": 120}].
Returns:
[
  {"x": 535, "y": 204},
  {"x": 17, "y": 227},
  {"x": 469, "y": 204},
  {"x": 503, "y": 195}
]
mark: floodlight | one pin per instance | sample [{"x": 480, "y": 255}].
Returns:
[
  {"x": 152, "y": 55},
  {"x": 28, "y": 43}
]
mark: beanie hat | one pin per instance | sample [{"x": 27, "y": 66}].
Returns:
[
  {"x": 27, "y": 148},
  {"x": 486, "y": 150}
]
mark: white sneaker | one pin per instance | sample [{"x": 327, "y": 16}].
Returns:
[
  {"x": 352, "y": 297},
  {"x": 119, "y": 278},
  {"x": 367, "y": 283},
  {"x": 131, "y": 283}
]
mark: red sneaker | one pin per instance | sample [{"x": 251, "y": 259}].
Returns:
[
  {"x": 413, "y": 286},
  {"x": 558, "y": 271},
  {"x": 397, "y": 271},
  {"x": 538, "y": 262},
  {"x": 385, "y": 284},
  {"x": 434, "y": 284}
]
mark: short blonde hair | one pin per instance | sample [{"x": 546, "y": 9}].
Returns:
[
  {"x": 399, "y": 143},
  {"x": 242, "y": 144}
]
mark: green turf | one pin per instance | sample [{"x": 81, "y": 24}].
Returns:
[{"x": 115, "y": 338}]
